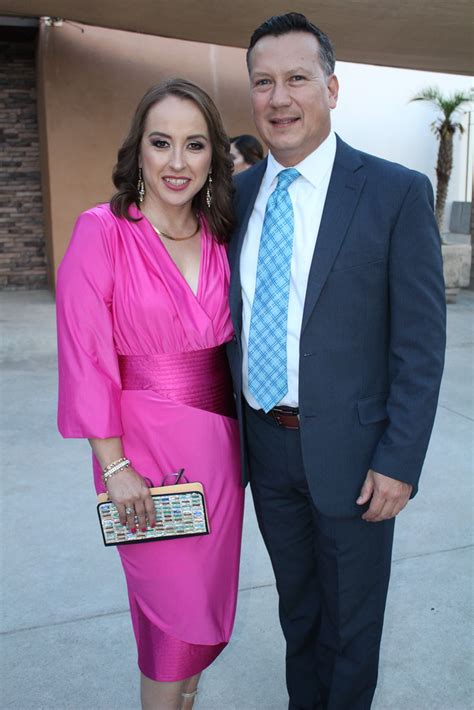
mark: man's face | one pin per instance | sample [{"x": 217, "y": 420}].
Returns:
[{"x": 291, "y": 95}]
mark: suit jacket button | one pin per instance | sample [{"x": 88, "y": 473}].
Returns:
[{"x": 234, "y": 338}]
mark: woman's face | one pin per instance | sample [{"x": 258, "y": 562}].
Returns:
[
  {"x": 175, "y": 152},
  {"x": 238, "y": 158}
]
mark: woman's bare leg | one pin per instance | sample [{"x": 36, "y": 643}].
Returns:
[
  {"x": 190, "y": 688},
  {"x": 161, "y": 696}
]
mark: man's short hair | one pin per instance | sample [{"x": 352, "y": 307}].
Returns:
[{"x": 295, "y": 22}]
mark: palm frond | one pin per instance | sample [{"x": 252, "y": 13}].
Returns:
[
  {"x": 448, "y": 105},
  {"x": 431, "y": 93}
]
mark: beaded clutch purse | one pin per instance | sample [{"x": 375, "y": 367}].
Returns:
[{"x": 180, "y": 512}]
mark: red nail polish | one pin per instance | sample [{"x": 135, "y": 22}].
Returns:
[
  {"x": 133, "y": 530},
  {"x": 143, "y": 529}
]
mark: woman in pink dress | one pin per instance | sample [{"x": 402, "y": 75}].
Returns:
[{"x": 142, "y": 323}]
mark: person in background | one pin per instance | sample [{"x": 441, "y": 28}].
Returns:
[
  {"x": 337, "y": 298},
  {"x": 143, "y": 318},
  {"x": 245, "y": 151}
]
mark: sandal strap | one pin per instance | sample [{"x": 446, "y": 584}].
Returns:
[{"x": 190, "y": 695}]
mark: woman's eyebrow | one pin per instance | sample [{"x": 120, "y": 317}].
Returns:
[{"x": 165, "y": 135}]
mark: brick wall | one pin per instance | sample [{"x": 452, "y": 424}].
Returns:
[{"x": 22, "y": 248}]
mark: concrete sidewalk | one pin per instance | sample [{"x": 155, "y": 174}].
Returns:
[{"x": 67, "y": 640}]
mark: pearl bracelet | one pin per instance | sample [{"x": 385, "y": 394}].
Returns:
[
  {"x": 115, "y": 467},
  {"x": 114, "y": 463}
]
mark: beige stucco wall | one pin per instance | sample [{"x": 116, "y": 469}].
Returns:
[{"x": 89, "y": 84}]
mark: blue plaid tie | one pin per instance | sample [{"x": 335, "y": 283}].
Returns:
[{"x": 267, "y": 360}]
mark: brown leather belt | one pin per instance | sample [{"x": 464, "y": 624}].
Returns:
[{"x": 287, "y": 417}]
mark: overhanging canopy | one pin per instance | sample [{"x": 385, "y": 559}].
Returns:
[{"x": 434, "y": 35}]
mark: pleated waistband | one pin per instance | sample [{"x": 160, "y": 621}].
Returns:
[{"x": 198, "y": 378}]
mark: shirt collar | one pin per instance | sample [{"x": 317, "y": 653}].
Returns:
[{"x": 313, "y": 168}]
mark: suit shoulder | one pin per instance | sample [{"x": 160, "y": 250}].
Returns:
[
  {"x": 394, "y": 183},
  {"x": 246, "y": 177},
  {"x": 380, "y": 167}
]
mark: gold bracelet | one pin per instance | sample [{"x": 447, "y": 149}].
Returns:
[
  {"x": 115, "y": 467},
  {"x": 114, "y": 463}
]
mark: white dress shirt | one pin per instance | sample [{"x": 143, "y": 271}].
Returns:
[{"x": 308, "y": 195}]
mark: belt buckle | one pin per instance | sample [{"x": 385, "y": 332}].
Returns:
[{"x": 277, "y": 416}]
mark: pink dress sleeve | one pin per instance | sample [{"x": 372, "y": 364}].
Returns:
[{"x": 89, "y": 379}]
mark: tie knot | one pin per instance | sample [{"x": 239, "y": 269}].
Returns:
[{"x": 286, "y": 177}]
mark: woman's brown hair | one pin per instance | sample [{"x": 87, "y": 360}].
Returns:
[{"x": 219, "y": 216}]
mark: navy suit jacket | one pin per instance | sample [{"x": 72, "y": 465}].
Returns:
[{"x": 373, "y": 333}]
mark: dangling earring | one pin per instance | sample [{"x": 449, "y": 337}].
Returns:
[
  {"x": 140, "y": 186},
  {"x": 209, "y": 191}
]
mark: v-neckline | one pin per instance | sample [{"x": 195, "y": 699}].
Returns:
[{"x": 202, "y": 237}]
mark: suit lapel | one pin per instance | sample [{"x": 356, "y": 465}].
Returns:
[
  {"x": 344, "y": 190},
  {"x": 247, "y": 187}
]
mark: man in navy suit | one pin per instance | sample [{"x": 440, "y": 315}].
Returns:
[{"x": 337, "y": 299}]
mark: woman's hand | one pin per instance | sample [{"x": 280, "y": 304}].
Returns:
[
  {"x": 126, "y": 488},
  {"x": 129, "y": 492}
]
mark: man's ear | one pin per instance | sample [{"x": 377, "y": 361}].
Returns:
[{"x": 333, "y": 90}]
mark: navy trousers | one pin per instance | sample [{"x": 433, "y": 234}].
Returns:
[{"x": 331, "y": 574}]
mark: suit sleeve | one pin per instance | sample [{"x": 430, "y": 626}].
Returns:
[
  {"x": 89, "y": 378},
  {"x": 417, "y": 336}
]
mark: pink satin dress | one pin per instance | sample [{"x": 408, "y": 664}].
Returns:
[{"x": 141, "y": 357}]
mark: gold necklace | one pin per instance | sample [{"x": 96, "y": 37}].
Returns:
[{"x": 160, "y": 233}]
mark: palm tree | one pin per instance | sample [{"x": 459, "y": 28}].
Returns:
[{"x": 444, "y": 129}]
